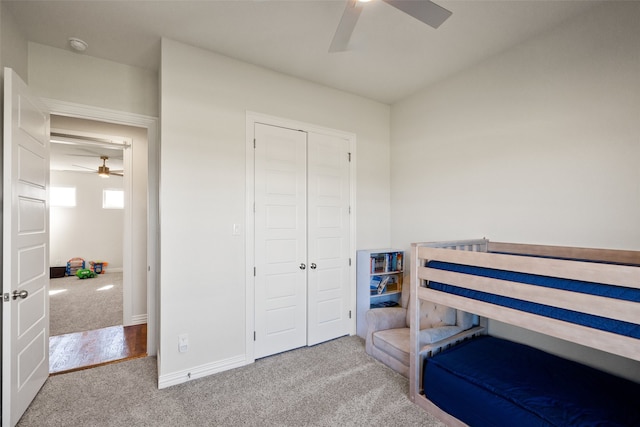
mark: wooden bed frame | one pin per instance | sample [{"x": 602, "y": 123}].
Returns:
[{"x": 616, "y": 267}]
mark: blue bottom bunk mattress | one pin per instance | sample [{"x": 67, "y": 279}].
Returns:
[{"x": 489, "y": 381}]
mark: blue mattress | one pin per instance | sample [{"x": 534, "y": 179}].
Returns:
[
  {"x": 488, "y": 381},
  {"x": 597, "y": 322}
]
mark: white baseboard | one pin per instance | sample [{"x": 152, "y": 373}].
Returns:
[
  {"x": 200, "y": 371},
  {"x": 138, "y": 319}
]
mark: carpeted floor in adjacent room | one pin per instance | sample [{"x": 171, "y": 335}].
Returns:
[
  {"x": 78, "y": 305},
  {"x": 331, "y": 384}
]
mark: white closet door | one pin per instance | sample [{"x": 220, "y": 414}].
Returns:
[
  {"x": 280, "y": 240},
  {"x": 328, "y": 233}
]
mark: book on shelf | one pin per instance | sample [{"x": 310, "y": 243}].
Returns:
[
  {"x": 386, "y": 262},
  {"x": 383, "y": 285},
  {"x": 384, "y": 304},
  {"x": 377, "y": 263},
  {"x": 378, "y": 284},
  {"x": 373, "y": 286},
  {"x": 392, "y": 284}
]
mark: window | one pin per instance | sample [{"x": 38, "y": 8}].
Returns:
[
  {"x": 63, "y": 196},
  {"x": 113, "y": 199}
]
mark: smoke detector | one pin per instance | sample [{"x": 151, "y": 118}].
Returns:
[{"x": 77, "y": 44}]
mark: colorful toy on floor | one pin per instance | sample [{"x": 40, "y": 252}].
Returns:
[
  {"x": 73, "y": 265},
  {"x": 85, "y": 273},
  {"x": 98, "y": 266}
]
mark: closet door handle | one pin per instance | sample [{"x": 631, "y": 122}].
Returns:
[
  {"x": 303, "y": 266},
  {"x": 313, "y": 266}
]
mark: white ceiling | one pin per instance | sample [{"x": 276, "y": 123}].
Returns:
[{"x": 391, "y": 54}]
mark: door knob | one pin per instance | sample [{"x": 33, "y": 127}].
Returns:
[
  {"x": 22, "y": 294},
  {"x": 302, "y": 266},
  {"x": 313, "y": 266}
]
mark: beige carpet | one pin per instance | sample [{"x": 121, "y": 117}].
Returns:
[
  {"x": 331, "y": 384},
  {"x": 85, "y": 304}
]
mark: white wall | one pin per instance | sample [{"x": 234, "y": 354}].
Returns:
[
  {"x": 13, "y": 44},
  {"x": 204, "y": 99},
  {"x": 540, "y": 144},
  {"x": 87, "y": 230},
  {"x": 83, "y": 79}
]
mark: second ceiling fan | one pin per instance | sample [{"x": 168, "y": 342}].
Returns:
[
  {"x": 423, "y": 10},
  {"x": 104, "y": 171}
]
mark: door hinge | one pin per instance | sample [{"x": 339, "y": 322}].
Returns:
[
  {"x": 349, "y": 314},
  {"x": 349, "y": 210},
  {"x": 254, "y": 143},
  {"x": 254, "y": 272},
  {"x": 254, "y": 335},
  {"x": 349, "y": 154},
  {"x": 6, "y": 297},
  {"x": 349, "y": 262}
]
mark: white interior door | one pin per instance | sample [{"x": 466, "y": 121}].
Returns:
[
  {"x": 328, "y": 234},
  {"x": 25, "y": 278},
  {"x": 280, "y": 240}
]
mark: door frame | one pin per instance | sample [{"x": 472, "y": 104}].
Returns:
[
  {"x": 81, "y": 111},
  {"x": 251, "y": 119}
]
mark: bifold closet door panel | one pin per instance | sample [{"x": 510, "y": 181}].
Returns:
[
  {"x": 328, "y": 199},
  {"x": 280, "y": 239}
]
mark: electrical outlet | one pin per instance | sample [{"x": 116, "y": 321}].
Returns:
[{"x": 183, "y": 343}]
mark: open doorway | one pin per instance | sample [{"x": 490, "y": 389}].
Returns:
[{"x": 99, "y": 229}]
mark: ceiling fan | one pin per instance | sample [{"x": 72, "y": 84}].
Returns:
[
  {"x": 104, "y": 171},
  {"x": 423, "y": 10}
]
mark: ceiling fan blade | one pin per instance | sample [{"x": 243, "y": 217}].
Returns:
[
  {"x": 346, "y": 26},
  {"x": 74, "y": 171},
  {"x": 425, "y": 11},
  {"x": 84, "y": 167},
  {"x": 92, "y": 155}
]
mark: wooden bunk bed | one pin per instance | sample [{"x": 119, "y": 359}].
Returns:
[{"x": 586, "y": 296}]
